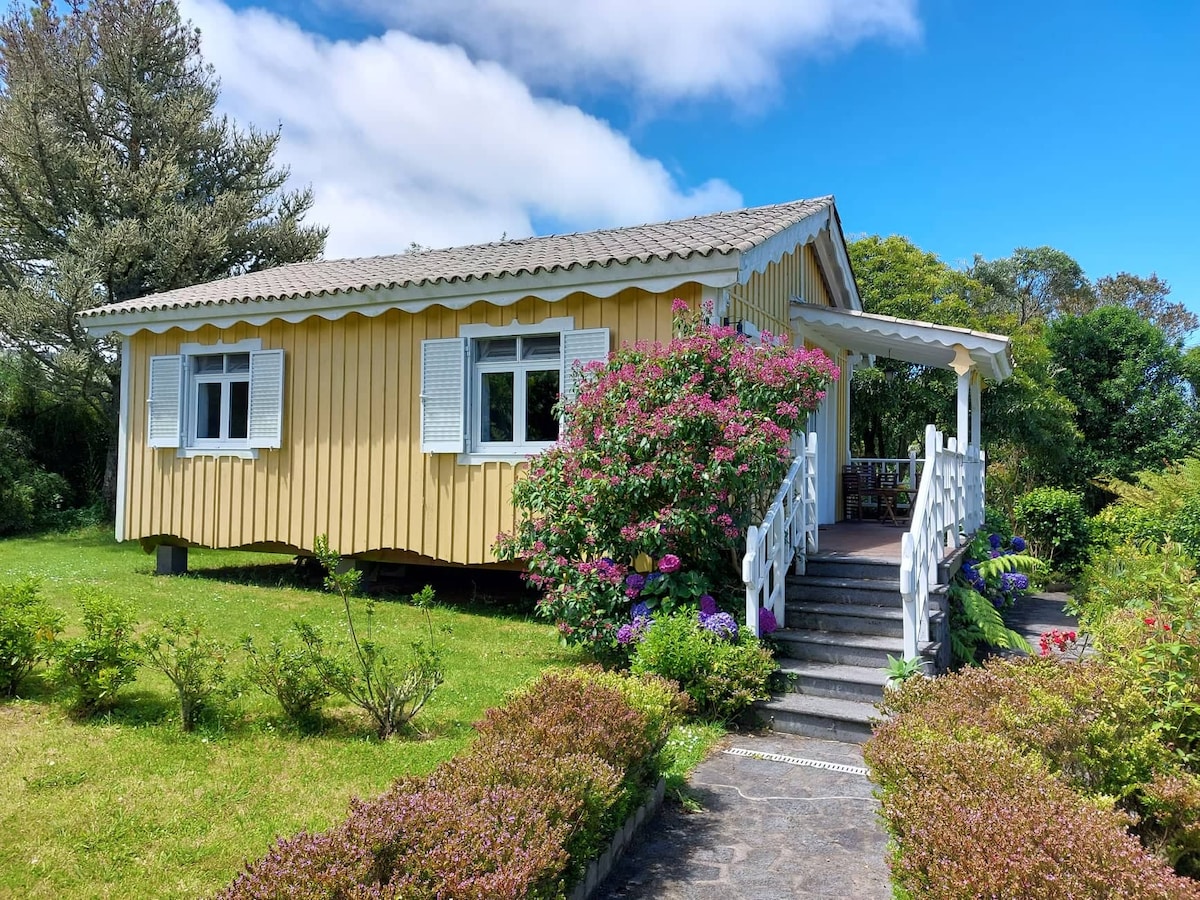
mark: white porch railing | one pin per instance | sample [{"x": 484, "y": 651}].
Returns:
[
  {"x": 788, "y": 532},
  {"x": 949, "y": 506},
  {"x": 907, "y": 471}
]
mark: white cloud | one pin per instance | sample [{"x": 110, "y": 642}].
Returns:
[
  {"x": 405, "y": 140},
  {"x": 668, "y": 49}
]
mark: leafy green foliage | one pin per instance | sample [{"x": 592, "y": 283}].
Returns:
[
  {"x": 28, "y": 627},
  {"x": 993, "y": 576},
  {"x": 1156, "y": 506},
  {"x": 722, "y": 676},
  {"x": 1126, "y": 382},
  {"x": 899, "y": 669},
  {"x": 30, "y": 497},
  {"x": 1054, "y": 522},
  {"x": 105, "y": 657},
  {"x": 389, "y": 690},
  {"x": 192, "y": 662},
  {"x": 119, "y": 180},
  {"x": 286, "y": 671}
]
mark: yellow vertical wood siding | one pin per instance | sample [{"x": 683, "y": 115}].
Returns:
[
  {"x": 766, "y": 296},
  {"x": 350, "y": 465}
]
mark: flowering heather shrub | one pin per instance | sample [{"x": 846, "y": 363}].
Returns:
[
  {"x": 975, "y": 817},
  {"x": 550, "y": 776},
  {"x": 723, "y": 674},
  {"x": 667, "y": 454}
]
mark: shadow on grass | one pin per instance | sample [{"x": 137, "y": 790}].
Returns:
[{"x": 267, "y": 575}]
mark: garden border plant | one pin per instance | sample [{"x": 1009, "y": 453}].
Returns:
[{"x": 553, "y": 773}]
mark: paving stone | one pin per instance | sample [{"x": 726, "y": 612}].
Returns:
[{"x": 768, "y": 830}]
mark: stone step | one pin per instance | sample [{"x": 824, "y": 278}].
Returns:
[
  {"x": 869, "y": 650},
  {"x": 825, "y": 679},
  {"x": 849, "y": 618},
  {"x": 820, "y": 717},
  {"x": 863, "y": 591},
  {"x": 850, "y": 567}
]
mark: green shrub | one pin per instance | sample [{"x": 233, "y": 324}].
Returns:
[
  {"x": 722, "y": 676},
  {"x": 1156, "y": 506},
  {"x": 193, "y": 663},
  {"x": 286, "y": 671},
  {"x": 28, "y": 627},
  {"x": 104, "y": 658},
  {"x": 551, "y": 775},
  {"x": 1055, "y": 524},
  {"x": 390, "y": 690},
  {"x": 1123, "y": 523},
  {"x": 30, "y": 497}
]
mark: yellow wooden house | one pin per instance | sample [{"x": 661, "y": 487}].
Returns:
[{"x": 390, "y": 402}]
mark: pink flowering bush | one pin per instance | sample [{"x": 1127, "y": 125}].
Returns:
[{"x": 667, "y": 455}]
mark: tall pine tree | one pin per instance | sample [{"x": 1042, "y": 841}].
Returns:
[{"x": 117, "y": 179}]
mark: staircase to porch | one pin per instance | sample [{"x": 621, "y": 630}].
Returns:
[{"x": 843, "y": 618}]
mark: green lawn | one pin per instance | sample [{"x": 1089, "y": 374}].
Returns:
[{"x": 128, "y": 806}]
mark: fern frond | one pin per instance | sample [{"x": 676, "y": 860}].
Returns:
[
  {"x": 982, "y": 614},
  {"x": 1014, "y": 562}
]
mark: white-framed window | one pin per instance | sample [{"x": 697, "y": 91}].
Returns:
[
  {"x": 224, "y": 399},
  {"x": 490, "y": 393}
]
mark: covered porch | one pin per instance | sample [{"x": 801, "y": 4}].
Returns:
[{"x": 926, "y": 505}]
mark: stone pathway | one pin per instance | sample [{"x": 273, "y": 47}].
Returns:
[{"x": 770, "y": 828}]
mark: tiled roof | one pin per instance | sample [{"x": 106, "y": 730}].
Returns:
[{"x": 721, "y": 233}]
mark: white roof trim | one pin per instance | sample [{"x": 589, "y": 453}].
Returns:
[
  {"x": 656, "y": 276},
  {"x": 831, "y": 254},
  {"x": 917, "y": 342}
]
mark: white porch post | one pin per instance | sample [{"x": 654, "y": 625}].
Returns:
[{"x": 976, "y": 406}]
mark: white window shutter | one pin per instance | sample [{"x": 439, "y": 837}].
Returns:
[
  {"x": 265, "y": 424},
  {"x": 443, "y": 395},
  {"x": 166, "y": 401},
  {"x": 578, "y": 349}
]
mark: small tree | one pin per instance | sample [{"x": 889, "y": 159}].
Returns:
[
  {"x": 389, "y": 690},
  {"x": 194, "y": 664},
  {"x": 668, "y": 453}
]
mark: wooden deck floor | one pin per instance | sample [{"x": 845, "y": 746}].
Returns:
[{"x": 865, "y": 540}]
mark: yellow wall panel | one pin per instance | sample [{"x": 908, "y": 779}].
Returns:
[{"x": 350, "y": 465}]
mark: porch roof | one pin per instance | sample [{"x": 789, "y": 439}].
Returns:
[{"x": 917, "y": 342}]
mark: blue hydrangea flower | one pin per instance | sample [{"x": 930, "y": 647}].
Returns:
[
  {"x": 1018, "y": 544},
  {"x": 640, "y": 611},
  {"x": 994, "y": 540},
  {"x": 721, "y": 624}
]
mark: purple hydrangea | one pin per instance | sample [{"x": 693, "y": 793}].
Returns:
[
  {"x": 626, "y": 635},
  {"x": 635, "y": 583},
  {"x": 1014, "y": 581},
  {"x": 1018, "y": 544},
  {"x": 995, "y": 540},
  {"x": 708, "y": 606},
  {"x": 669, "y": 563},
  {"x": 767, "y": 622},
  {"x": 721, "y": 624}
]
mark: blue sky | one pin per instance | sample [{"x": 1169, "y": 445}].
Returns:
[{"x": 971, "y": 127}]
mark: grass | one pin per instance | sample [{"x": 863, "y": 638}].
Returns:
[{"x": 128, "y": 806}]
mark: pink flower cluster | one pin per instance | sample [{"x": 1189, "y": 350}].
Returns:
[{"x": 1057, "y": 639}]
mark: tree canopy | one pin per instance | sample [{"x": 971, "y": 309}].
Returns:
[{"x": 118, "y": 179}]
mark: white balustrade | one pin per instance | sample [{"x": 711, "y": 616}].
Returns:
[{"x": 787, "y": 532}]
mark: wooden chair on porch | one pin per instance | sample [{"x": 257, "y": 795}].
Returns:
[{"x": 851, "y": 493}]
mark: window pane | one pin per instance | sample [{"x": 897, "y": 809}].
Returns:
[
  {"x": 239, "y": 409},
  {"x": 208, "y": 409},
  {"x": 237, "y": 362},
  {"x": 541, "y": 393},
  {"x": 496, "y": 406},
  {"x": 540, "y": 347},
  {"x": 207, "y": 365},
  {"x": 497, "y": 349}
]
